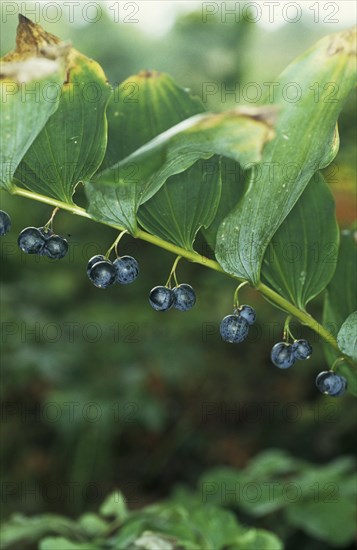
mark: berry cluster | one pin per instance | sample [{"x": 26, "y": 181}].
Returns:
[
  {"x": 5, "y": 223},
  {"x": 234, "y": 328},
  {"x": 284, "y": 355},
  {"x": 163, "y": 298},
  {"x": 42, "y": 241},
  {"x": 104, "y": 273},
  {"x": 36, "y": 240}
]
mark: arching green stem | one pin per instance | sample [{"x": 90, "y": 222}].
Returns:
[
  {"x": 304, "y": 317},
  {"x": 236, "y": 292}
]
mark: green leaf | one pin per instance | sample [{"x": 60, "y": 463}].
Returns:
[
  {"x": 301, "y": 258},
  {"x": 347, "y": 336},
  {"x": 20, "y": 528},
  {"x": 303, "y": 144},
  {"x": 218, "y": 527},
  {"x": 324, "y": 497},
  {"x": 170, "y": 518},
  {"x": 29, "y": 91},
  {"x": 142, "y": 107},
  {"x": 72, "y": 144},
  {"x": 273, "y": 462},
  {"x": 332, "y": 148},
  {"x": 342, "y": 290},
  {"x": 319, "y": 519},
  {"x": 335, "y": 472},
  {"x": 130, "y": 531},
  {"x": 233, "y": 179},
  {"x": 109, "y": 204},
  {"x": 224, "y": 485},
  {"x": 92, "y": 525},
  {"x": 114, "y": 505},
  {"x": 184, "y": 204},
  {"x": 257, "y": 539},
  {"x": 341, "y": 301},
  {"x": 199, "y": 524}
]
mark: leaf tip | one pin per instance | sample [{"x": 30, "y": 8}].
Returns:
[
  {"x": 34, "y": 43},
  {"x": 149, "y": 73},
  {"x": 343, "y": 42}
]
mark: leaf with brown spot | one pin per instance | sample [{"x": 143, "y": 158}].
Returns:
[
  {"x": 24, "y": 114},
  {"x": 72, "y": 144}
]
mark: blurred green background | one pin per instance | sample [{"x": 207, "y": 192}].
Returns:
[{"x": 98, "y": 390}]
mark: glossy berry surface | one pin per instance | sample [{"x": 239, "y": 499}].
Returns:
[
  {"x": 31, "y": 241},
  {"x": 56, "y": 247},
  {"x": 248, "y": 313},
  {"x": 161, "y": 298},
  {"x": 302, "y": 349},
  {"x": 127, "y": 269},
  {"x": 330, "y": 383},
  {"x": 185, "y": 297},
  {"x": 94, "y": 260},
  {"x": 282, "y": 355},
  {"x": 102, "y": 274},
  {"x": 5, "y": 223},
  {"x": 234, "y": 329}
]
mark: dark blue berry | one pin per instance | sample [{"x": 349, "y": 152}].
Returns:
[
  {"x": 282, "y": 355},
  {"x": 56, "y": 247},
  {"x": 94, "y": 260},
  {"x": 5, "y": 223},
  {"x": 161, "y": 298},
  {"x": 185, "y": 297},
  {"x": 234, "y": 329},
  {"x": 302, "y": 349},
  {"x": 330, "y": 383},
  {"x": 248, "y": 313},
  {"x": 31, "y": 241},
  {"x": 102, "y": 274},
  {"x": 127, "y": 269}
]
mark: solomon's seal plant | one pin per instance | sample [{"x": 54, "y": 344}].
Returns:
[{"x": 158, "y": 169}]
